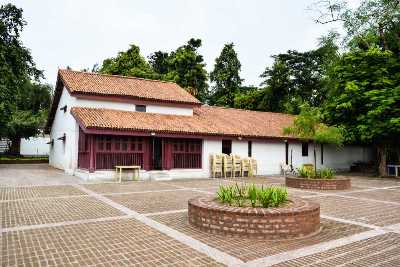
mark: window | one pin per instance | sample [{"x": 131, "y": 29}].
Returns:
[
  {"x": 304, "y": 149},
  {"x": 249, "y": 149},
  {"x": 140, "y": 108},
  {"x": 287, "y": 152},
  {"x": 186, "y": 154},
  {"x": 322, "y": 154},
  {"x": 227, "y": 147}
]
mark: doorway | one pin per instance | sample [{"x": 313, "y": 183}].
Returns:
[{"x": 156, "y": 153}]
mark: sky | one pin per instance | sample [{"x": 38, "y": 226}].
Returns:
[{"x": 81, "y": 33}]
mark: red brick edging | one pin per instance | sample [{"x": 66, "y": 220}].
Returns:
[
  {"x": 298, "y": 218},
  {"x": 320, "y": 184}
]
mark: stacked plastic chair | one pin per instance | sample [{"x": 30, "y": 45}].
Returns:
[
  {"x": 216, "y": 165},
  {"x": 245, "y": 167},
  {"x": 253, "y": 167},
  {"x": 227, "y": 165}
]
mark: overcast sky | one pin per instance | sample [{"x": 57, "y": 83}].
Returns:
[{"x": 81, "y": 33}]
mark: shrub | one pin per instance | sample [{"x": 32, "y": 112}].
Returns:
[
  {"x": 265, "y": 197},
  {"x": 324, "y": 173}
]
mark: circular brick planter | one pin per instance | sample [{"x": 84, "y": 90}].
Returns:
[
  {"x": 320, "y": 184},
  {"x": 298, "y": 218}
]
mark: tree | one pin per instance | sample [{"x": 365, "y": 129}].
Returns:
[
  {"x": 226, "y": 77},
  {"x": 128, "y": 63},
  {"x": 20, "y": 100},
  {"x": 298, "y": 77},
  {"x": 187, "y": 68},
  {"x": 248, "y": 97},
  {"x": 308, "y": 126},
  {"x": 159, "y": 62},
  {"x": 373, "y": 23},
  {"x": 365, "y": 99}
]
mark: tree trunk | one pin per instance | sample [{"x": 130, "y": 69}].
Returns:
[
  {"x": 381, "y": 153},
  {"x": 15, "y": 146}
]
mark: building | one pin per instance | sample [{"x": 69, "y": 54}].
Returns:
[{"x": 98, "y": 121}]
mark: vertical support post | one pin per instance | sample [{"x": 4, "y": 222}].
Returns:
[{"x": 92, "y": 153}]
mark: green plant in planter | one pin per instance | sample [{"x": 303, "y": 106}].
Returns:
[
  {"x": 326, "y": 173},
  {"x": 252, "y": 192},
  {"x": 225, "y": 194},
  {"x": 240, "y": 194}
]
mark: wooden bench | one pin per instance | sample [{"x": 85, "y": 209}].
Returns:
[{"x": 135, "y": 169}]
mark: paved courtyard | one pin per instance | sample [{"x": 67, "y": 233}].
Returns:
[{"x": 58, "y": 223}]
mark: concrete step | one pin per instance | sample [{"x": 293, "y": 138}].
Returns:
[{"x": 159, "y": 175}]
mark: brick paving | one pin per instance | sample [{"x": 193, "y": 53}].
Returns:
[
  {"x": 61, "y": 225},
  {"x": 127, "y": 187},
  {"x": 383, "y": 250},
  {"x": 117, "y": 243},
  {"x": 250, "y": 249},
  {"x": 15, "y": 193},
  {"x": 364, "y": 211},
  {"x": 156, "y": 202},
  {"x": 42, "y": 211}
]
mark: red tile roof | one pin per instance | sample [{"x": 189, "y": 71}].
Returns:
[
  {"x": 114, "y": 85},
  {"x": 205, "y": 121}
]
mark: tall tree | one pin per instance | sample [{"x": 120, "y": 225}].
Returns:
[
  {"x": 373, "y": 23},
  {"x": 159, "y": 62},
  {"x": 128, "y": 63},
  {"x": 187, "y": 68},
  {"x": 226, "y": 77},
  {"x": 298, "y": 77},
  {"x": 365, "y": 99},
  {"x": 20, "y": 99}
]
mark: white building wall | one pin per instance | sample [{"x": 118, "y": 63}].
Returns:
[
  {"x": 78, "y": 102},
  {"x": 35, "y": 146},
  {"x": 64, "y": 155},
  {"x": 210, "y": 147},
  {"x": 240, "y": 148}
]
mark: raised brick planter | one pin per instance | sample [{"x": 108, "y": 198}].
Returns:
[
  {"x": 298, "y": 218},
  {"x": 320, "y": 184}
]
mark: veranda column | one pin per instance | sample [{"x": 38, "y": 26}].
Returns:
[{"x": 92, "y": 153}]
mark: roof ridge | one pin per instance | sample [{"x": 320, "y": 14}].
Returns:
[
  {"x": 248, "y": 110},
  {"x": 118, "y": 76}
]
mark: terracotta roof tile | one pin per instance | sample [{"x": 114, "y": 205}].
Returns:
[
  {"x": 205, "y": 121},
  {"x": 114, "y": 85}
]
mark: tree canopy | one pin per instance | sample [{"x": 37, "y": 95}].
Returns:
[
  {"x": 185, "y": 66},
  {"x": 23, "y": 103},
  {"x": 225, "y": 77}
]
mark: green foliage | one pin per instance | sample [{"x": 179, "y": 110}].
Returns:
[
  {"x": 272, "y": 196},
  {"x": 16, "y": 63},
  {"x": 187, "y": 68},
  {"x": 23, "y": 103},
  {"x": 365, "y": 99},
  {"x": 226, "y": 77},
  {"x": 252, "y": 192},
  {"x": 225, "y": 194},
  {"x": 324, "y": 173},
  {"x": 128, "y": 63},
  {"x": 242, "y": 195},
  {"x": 308, "y": 125}
]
